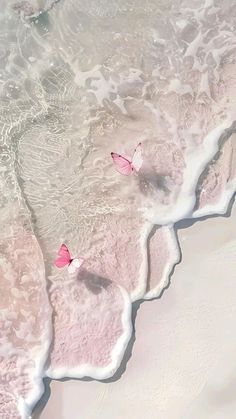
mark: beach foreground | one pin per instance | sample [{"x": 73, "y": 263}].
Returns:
[{"x": 183, "y": 353}]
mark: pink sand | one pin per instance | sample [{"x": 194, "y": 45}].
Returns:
[
  {"x": 110, "y": 244},
  {"x": 163, "y": 254},
  {"x": 80, "y": 98},
  {"x": 25, "y": 323},
  {"x": 91, "y": 326},
  {"x": 218, "y": 175}
]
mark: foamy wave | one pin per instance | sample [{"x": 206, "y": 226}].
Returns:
[{"x": 76, "y": 85}]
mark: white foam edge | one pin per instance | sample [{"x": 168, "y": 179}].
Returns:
[
  {"x": 184, "y": 205},
  {"x": 26, "y": 405},
  {"x": 187, "y": 195},
  {"x": 221, "y": 206},
  {"x": 139, "y": 292},
  {"x": 102, "y": 373},
  {"x": 175, "y": 255}
]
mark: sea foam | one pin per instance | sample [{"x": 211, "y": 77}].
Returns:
[{"x": 80, "y": 81}]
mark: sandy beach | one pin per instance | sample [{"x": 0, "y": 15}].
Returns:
[
  {"x": 183, "y": 352},
  {"x": 118, "y": 132}
]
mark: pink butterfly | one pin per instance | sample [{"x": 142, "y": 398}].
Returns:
[
  {"x": 64, "y": 258},
  {"x": 126, "y": 166}
]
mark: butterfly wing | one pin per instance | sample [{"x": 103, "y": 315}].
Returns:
[
  {"x": 137, "y": 159},
  {"x": 122, "y": 164},
  {"x": 75, "y": 265},
  {"x": 63, "y": 257}
]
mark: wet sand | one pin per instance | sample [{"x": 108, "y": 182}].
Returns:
[{"x": 183, "y": 352}]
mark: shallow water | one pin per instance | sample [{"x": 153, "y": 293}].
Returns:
[{"x": 79, "y": 80}]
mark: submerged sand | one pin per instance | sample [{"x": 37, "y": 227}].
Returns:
[
  {"x": 79, "y": 81},
  {"x": 182, "y": 361}
]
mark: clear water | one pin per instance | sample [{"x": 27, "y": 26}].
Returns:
[{"x": 77, "y": 81}]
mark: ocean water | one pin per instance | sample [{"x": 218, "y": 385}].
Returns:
[{"x": 78, "y": 81}]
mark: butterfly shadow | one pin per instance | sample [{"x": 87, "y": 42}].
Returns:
[
  {"x": 151, "y": 181},
  {"x": 93, "y": 282}
]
